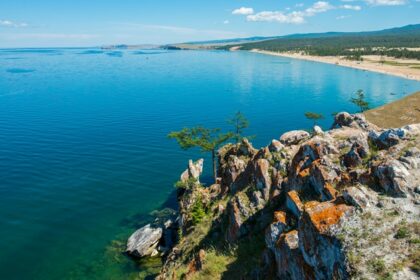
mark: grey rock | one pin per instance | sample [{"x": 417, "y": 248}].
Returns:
[
  {"x": 275, "y": 146},
  {"x": 144, "y": 241},
  {"x": 294, "y": 137},
  {"x": 318, "y": 130},
  {"x": 194, "y": 170}
]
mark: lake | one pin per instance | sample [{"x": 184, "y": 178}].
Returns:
[{"x": 84, "y": 156}]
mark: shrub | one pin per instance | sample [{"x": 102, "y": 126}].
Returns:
[
  {"x": 402, "y": 232},
  {"x": 197, "y": 212}
]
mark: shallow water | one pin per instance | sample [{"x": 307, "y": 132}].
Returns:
[{"x": 84, "y": 155}]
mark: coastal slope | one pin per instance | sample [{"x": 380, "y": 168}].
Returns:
[{"x": 334, "y": 204}]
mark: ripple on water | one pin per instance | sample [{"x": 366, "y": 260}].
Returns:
[
  {"x": 115, "y": 54},
  {"x": 19, "y": 70},
  {"x": 91, "y": 52}
]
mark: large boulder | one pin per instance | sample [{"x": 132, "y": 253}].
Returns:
[
  {"x": 356, "y": 155},
  {"x": 294, "y": 137},
  {"x": 388, "y": 138},
  {"x": 144, "y": 241},
  {"x": 345, "y": 119},
  {"x": 394, "y": 178}
]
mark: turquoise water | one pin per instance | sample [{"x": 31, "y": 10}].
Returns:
[{"x": 83, "y": 150}]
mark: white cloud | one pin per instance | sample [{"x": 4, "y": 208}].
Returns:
[
  {"x": 343, "y": 17},
  {"x": 351, "y": 7},
  {"x": 295, "y": 17},
  {"x": 386, "y": 2},
  {"x": 243, "y": 11},
  {"x": 226, "y": 22},
  {"x": 276, "y": 16},
  {"x": 9, "y": 23},
  {"x": 318, "y": 7}
]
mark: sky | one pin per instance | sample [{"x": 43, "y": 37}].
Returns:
[{"x": 81, "y": 23}]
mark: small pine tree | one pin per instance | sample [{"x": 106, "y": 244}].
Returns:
[
  {"x": 314, "y": 116},
  {"x": 239, "y": 123},
  {"x": 360, "y": 101},
  {"x": 208, "y": 140}
]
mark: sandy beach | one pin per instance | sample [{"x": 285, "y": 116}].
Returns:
[{"x": 405, "y": 68}]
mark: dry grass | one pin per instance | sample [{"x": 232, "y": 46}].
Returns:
[{"x": 396, "y": 114}]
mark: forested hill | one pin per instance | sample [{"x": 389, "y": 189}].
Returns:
[{"x": 396, "y": 42}]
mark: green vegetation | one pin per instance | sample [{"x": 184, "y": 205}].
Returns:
[
  {"x": 314, "y": 116},
  {"x": 208, "y": 140},
  {"x": 392, "y": 43},
  {"x": 239, "y": 123},
  {"x": 402, "y": 232},
  {"x": 360, "y": 101},
  {"x": 185, "y": 185},
  {"x": 197, "y": 212}
]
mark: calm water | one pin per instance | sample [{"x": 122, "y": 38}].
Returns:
[{"x": 83, "y": 150}]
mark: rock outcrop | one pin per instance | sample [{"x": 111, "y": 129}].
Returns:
[{"x": 305, "y": 199}]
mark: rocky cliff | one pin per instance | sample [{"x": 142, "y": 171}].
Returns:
[{"x": 338, "y": 204}]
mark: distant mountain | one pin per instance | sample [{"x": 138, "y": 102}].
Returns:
[{"x": 413, "y": 29}]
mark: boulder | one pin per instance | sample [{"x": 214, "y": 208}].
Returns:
[
  {"x": 356, "y": 155},
  {"x": 358, "y": 197},
  {"x": 411, "y": 158},
  {"x": 393, "y": 177},
  {"x": 388, "y": 138},
  {"x": 294, "y": 137},
  {"x": 345, "y": 119},
  {"x": 144, "y": 241},
  {"x": 318, "y": 130},
  {"x": 275, "y": 229},
  {"x": 275, "y": 146}
]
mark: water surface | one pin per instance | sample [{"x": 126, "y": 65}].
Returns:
[{"x": 84, "y": 155}]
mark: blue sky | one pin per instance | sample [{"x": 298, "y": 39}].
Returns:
[{"x": 57, "y": 23}]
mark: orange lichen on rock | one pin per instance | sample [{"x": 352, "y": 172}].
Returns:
[
  {"x": 304, "y": 173},
  {"x": 279, "y": 216},
  {"x": 330, "y": 190},
  {"x": 294, "y": 197},
  {"x": 325, "y": 214}
]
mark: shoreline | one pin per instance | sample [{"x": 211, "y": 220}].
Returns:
[{"x": 401, "y": 71}]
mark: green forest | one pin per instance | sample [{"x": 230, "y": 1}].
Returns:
[{"x": 353, "y": 45}]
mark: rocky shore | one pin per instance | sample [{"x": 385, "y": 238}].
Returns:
[{"x": 338, "y": 204}]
